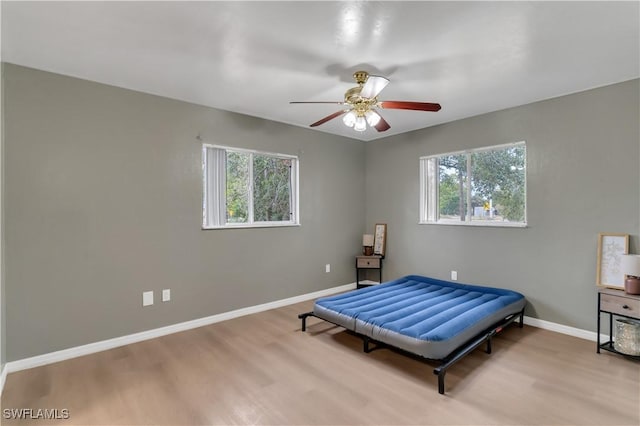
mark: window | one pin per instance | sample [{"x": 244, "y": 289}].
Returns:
[
  {"x": 244, "y": 188},
  {"x": 479, "y": 187}
]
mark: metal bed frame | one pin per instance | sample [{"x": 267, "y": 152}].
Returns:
[{"x": 450, "y": 359}]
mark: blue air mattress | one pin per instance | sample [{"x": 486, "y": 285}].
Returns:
[{"x": 425, "y": 316}]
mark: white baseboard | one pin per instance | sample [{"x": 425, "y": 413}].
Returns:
[
  {"x": 3, "y": 378},
  {"x": 49, "y": 358},
  {"x": 564, "y": 329},
  {"x": 368, "y": 282}
]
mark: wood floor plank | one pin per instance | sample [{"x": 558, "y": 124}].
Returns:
[{"x": 261, "y": 369}]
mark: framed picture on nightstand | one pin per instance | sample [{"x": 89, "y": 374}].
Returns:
[
  {"x": 380, "y": 239},
  {"x": 610, "y": 249}
]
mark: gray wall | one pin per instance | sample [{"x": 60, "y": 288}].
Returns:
[
  {"x": 582, "y": 159},
  {"x": 103, "y": 201}
]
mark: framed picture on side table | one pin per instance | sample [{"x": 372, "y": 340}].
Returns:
[
  {"x": 380, "y": 239},
  {"x": 610, "y": 249}
]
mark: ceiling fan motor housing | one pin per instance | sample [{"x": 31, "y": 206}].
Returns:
[{"x": 352, "y": 96}]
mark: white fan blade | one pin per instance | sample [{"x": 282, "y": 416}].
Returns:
[{"x": 373, "y": 86}]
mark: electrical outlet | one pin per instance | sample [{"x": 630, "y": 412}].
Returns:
[
  {"x": 147, "y": 298},
  {"x": 327, "y": 267},
  {"x": 454, "y": 275},
  {"x": 166, "y": 294}
]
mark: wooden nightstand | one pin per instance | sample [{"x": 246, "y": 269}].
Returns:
[
  {"x": 368, "y": 262},
  {"x": 619, "y": 303}
]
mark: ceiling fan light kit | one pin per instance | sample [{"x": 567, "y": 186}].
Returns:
[
  {"x": 361, "y": 124},
  {"x": 362, "y": 101},
  {"x": 349, "y": 119},
  {"x": 372, "y": 117}
]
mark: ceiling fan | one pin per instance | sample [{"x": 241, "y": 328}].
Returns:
[{"x": 362, "y": 104}]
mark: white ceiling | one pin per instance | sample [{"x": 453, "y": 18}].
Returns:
[{"x": 255, "y": 57}]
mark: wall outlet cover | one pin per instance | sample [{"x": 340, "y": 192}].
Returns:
[
  {"x": 327, "y": 267},
  {"x": 454, "y": 275},
  {"x": 166, "y": 295},
  {"x": 147, "y": 298}
]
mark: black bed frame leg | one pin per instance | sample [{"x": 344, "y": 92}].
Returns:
[
  {"x": 440, "y": 374},
  {"x": 521, "y": 319},
  {"x": 303, "y": 317},
  {"x": 365, "y": 344}
]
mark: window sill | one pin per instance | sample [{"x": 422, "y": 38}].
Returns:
[
  {"x": 252, "y": 225},
  {"x": 482, "y": 224}
]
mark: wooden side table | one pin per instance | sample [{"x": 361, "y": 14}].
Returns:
[
  {"x": 368, "y": 262},
  {"x": 618, "y": 303}
]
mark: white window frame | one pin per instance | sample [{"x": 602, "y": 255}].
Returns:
[
  {"x": 429, "y": 209},
  {"x": 214, "y": 189}
]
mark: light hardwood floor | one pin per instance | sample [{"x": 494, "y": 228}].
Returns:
[{"x": 261, "y": 369}]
